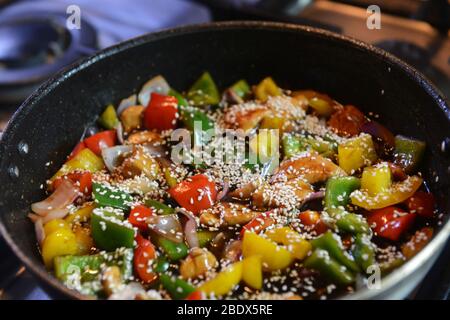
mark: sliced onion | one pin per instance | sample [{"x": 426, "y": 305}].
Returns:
[
  {"x": 64, "y": 195},
  {"x": 224, "y": 191},
  {"x": 119, "y": 132},
  {"x": 233, "y": 250},
  {"x": 34, "y": 217},
  {"x": 127, "y": 102},
  {"x": 55, "y": 214},
  {"x": 230, "y": 97},
  {"x": 167, "y": 226},
  {"x": 157, "y": 151},
  {"x": 39, "y": 230},
  {"x": 52, "y": 215},
  {"x": 217, "y": 244},
  {"x": 379, "y": 131},
  {"x": 111, "y": 155},
  {"x": 315, "y": 196},
  {"x": 190, "y": 229},
  {"x": 157, "y": 84}
]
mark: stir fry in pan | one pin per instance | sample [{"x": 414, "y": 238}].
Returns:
[{"x": 255, "y": 193}]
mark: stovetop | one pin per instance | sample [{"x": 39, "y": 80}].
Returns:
[{"x": 417, "y": 42}]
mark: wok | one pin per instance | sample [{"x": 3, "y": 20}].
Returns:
[{"x": 50, "y": 122}]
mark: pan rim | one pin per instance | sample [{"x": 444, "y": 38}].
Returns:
[{"x": 47, "y": 87}]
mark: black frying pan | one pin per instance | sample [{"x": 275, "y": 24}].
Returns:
[{"x": 53, "y": 119}]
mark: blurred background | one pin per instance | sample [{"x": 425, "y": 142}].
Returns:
[{"x": 39, "y": 37}]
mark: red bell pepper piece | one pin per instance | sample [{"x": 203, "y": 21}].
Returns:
[
  {"x": 195, "y": 194},
  {"x": 311, "y": 220},
  {"x": 161, "y": 112},
  {"x": 98, "y": 141},
  {"x": 80, "y": 146},
  {"x": 81, "y": 179},
  {"x": 258, "y": 223},
  {"x": 390, "y": 222},
  {"x": 138, "y": 217},
  {"x": 144, "y": 254},
  {"x": 196, "y": 295},
  {"x": 421, "y": 203}
]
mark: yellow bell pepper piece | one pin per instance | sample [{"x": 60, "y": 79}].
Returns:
[
  {"x": 60, "y": 242},
  {"x": 84, "y": 240},
  {"x": 84, "y": 160},
  {"x": 297, "y": 246},
  {"x": 267, "y": 87},
  {"x": 356, "y": 153},
  {"x": 265, "y": 144},
  {"x": 224, "y": 282},
  {"x": 54, "y": 225},
  {"x": 398, "y": 193},
  {"x": 376, "y": 179},
  {"x": 272, "y": 122},
  {"x": 273, "y": 257},
  {"x": 252, "y": 272},
  {"x": 171, "y": 179},
  {"x": 321, "y": 106},
  {"x": 81, "y": 215}
]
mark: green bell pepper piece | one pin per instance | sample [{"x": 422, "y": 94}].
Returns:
[
  {"x": 388, "y": 266},
  {"x": 89, "y": 265},
  {"x": 338, "y": 190},
  {"x": 364, "y": 252},
  {"x": 109, "y": 232},
  {"x": 241, "y": 88},
  {"x": 176, "y": 287},
  {"x": 161, "y": 264},
  {"x": 108, "y": 119},
  {"x": 159, "y": 207},
  {"x": 181, "y": 100},
  {"x": 328, "y": 267},
  {"x": 104, "y": 196},
  {"x": 292, "y": 145},
  {"x": 189, "y": 117},
  {"x": 408, "y": 153},
  {"x": 173, "y": 250},
  {"x": 352, "y": 223},
  {"x": 204, "y": 91},
  {"x": 265, "y": 168},
  {"x": 295, "y": 144},
  {"x": 322, "y": 146},
  {"x": 84, "y": 272},
  {"x": 205, "y": 237},
  {"x": 333, "y": 245}
]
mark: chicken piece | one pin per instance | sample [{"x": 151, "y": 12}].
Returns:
[
  {"x": 243, "y": 193},
  {"x": 138, "y": 163},
  {"x": 245, "y": 118},
  {"x": 286, "y": 107},
  {"x": 198, "y": 262},
  {"x": 310, "y": 166},
  {"x": 131, "y": 118},
  {"x": 145, "y": 136},
  {"x": 111, "y": 280},
  {"x": 290, "y": 194},
  {"x": 225, "y": 214}
]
